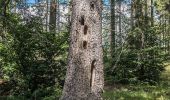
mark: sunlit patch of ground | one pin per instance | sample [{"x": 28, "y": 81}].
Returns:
[{"x": 141, "y": 91}]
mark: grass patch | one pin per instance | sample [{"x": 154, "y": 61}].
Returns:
[{"x": 141, "y": 91}]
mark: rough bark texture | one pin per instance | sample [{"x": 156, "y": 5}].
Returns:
[{"x": 84, "y": 79}]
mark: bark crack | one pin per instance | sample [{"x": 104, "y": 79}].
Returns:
[{"x": 92, "y": 72}]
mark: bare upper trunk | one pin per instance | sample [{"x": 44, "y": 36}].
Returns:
[{"x": 53, "y": 11}]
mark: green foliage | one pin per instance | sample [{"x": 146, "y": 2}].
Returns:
[
  {"x": 33, "y": 61},
  {"x": 33, "y": 58},
  {"x": 138, "y": 93},
  {"x": 140, "y": 59},
  {"x": 8, "y": 65},
  {"x": 141, "y": 91}
]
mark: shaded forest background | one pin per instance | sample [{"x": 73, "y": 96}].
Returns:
[{"x": 34, "y": 41}]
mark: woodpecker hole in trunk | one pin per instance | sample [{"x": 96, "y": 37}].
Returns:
[
  {"x": 85, "y": 44},
  {"x": 92, "y": 5},
  {"x": 85, "y": 29},
  {"x": 82, "y": 20}
]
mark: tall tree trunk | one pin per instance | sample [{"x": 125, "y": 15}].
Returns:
[
  {"x": 120, "y": 21},
  {"x": 152, "y": 12},
  {"x": 169, "y": 34},
  {"x": 132, "y": 14},
  {"x": 113, "y": 29},
  {"x": 47, "y": 15},
  {"x": 53, "y": 11},
  {"x": 58, "y": 16},
  {"x": 169, "y": 29},
  {"x": 160, "y": 37},
  {"x": 139, "y": 23},
  {"x": 84, "y": 78},
  {"x": 165, "y": 34},
  {"x": 146, "y": 13}
]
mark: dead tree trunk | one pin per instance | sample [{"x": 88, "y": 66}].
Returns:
[{"x": 84, "y": 78}]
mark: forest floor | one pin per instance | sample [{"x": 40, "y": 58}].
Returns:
[
  {"x": 132, "y": 92},
  {"x": 141, "y": 91}
]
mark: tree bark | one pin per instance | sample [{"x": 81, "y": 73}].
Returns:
[
  {"x": 47, "y": 15},
  {"x": 132, "y": 14},
  {"x": 169, "y": 34},
  {"x": 53, "y": 12},
  {"x": 120, "y": 21},
  {"x": 152, "y": 13},
  {"x": 146, "y": 13},
  {"x": 84, "y": 78},
  {"x": 113, "y": 31}
]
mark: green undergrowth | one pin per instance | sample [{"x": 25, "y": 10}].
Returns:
[{"x": 141, "y": 91}]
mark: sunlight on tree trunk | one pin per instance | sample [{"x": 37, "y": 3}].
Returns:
[{"x": 84, "y": 79}]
